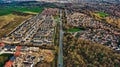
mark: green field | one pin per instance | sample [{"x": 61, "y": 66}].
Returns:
[
  {"x": 9, "y": 10},
  {"x": 4, "y": 58},
  {"x": 74, "y": 30},
  {"x": 102, "y": 14}
]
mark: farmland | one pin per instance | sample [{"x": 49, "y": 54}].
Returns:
[
  {"x": 9, "y": 22},
  {"x": 9, "y": 10}
]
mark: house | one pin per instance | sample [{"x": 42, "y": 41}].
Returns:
[{"x": 8, "y": 64}]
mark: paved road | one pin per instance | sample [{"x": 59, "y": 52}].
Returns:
[
  {"x": 4, "y": 52},
  {"x": 60, "y": 56}
]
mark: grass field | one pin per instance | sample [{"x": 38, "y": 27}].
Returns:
[
  {"x": 74, "y": 30},
  {"x": 4, "y": 58},
  {"x": 102, "y": 14},
  {"x": 9, "y": 10}
]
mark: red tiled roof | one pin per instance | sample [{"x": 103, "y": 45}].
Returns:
[
  {"x": 17, "y": 53},
  {"x": 18, "y": 47},
  {"x": 2, "y": 44},
  {"x": 9, "y": 64}
]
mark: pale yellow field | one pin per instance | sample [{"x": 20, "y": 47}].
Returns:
[
  {"x": 6, "y": 19},
  {"x": 9, "y": 22},
  {"x": 30, "y": 12}
]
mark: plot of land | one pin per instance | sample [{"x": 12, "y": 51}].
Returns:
[{"x": 9, "y": 22}]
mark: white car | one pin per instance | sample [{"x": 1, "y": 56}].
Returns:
[{"x": 118, "y": 49}]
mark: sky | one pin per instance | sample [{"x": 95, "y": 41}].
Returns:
[{"x": 60, "y": 0}]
